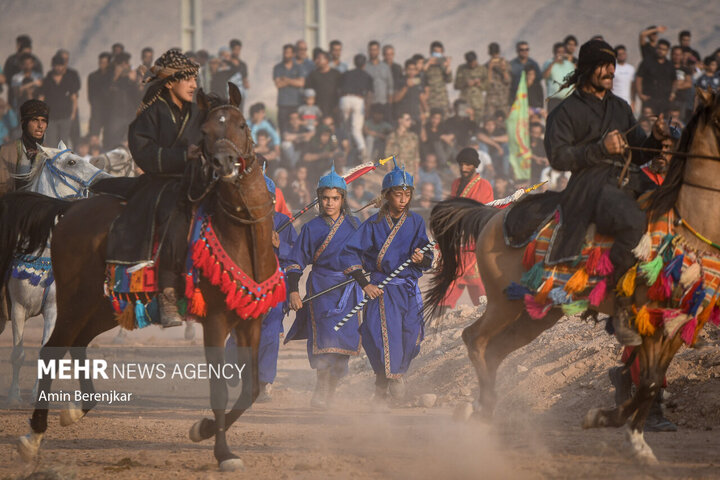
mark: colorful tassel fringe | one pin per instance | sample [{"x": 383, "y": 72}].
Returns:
[
  {"x": 575, "y": 308},
  {"x": 643, "y": 324},
  {"x": 529, "y": 255},
  {"x": 643, "y": 250},
  {"x": 533, "y": 277},
  {"x": 626, "y": 285},
  {"x": 651, "y": 270},
  {"x": 597, "y": 295},
  {"x": 578, "y": 282}
]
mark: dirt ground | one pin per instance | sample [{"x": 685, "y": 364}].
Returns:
[{"x": 544, "y": 391}]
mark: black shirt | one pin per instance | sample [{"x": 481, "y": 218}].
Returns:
[
  {"x": 326, "y": 87},
  {"x": 57, "y": 95},
  {"x": 462, "y": 127},
  {"x": 356, "y": 82},
  {"x": 410, "y": 103},
  {"x": 657, "y": 78}
]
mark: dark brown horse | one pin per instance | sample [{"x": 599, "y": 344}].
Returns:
[
  {"x": 241, "y": 208},
  {"x": 691, "y": 186}
]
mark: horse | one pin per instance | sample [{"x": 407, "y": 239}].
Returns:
[
  {"x": 235, "y": 195},
  {"x": 690, "y": 187},
  {"x": 57, "y": 173},
  {"x": 117, "y": 162}
]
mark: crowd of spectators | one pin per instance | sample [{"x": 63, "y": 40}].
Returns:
[{"x": 330, "y": 110}]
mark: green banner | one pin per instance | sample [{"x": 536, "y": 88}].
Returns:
[{"x": 519, "y": 133}]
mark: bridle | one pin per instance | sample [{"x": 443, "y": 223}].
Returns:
[{"x": 81, "y": 190}]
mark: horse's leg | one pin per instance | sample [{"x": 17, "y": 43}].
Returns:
[
  {"x": 516, "y": 335},
  {"x": 18, "y": 317},
  {"x": 248, "y": 335},
  {"x": 49, "y": 313}
]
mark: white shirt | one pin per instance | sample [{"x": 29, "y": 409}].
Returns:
[{"x": 624, "y": 76}]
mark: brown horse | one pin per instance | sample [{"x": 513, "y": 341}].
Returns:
[
  {"x": 691, "y": 187},
  {"x": 241, "y": 209}
]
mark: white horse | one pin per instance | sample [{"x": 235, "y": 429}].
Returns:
[
  {"x": 118, "y": 162},
  {"x": 57, "y": 173}
]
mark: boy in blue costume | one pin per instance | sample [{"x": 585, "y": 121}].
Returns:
[
  {"x": 319, "y": 245},
  {"x": 393, "y": 326}
]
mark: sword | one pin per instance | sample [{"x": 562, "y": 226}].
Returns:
[
  {"x": 394, "y": 274},
  {"x": 353, "y": 174},
  {"x": 327, "y": 290}
]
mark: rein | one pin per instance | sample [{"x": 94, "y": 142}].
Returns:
[
  {"x": 674, "y": 152},
  {"x": 63, "y": 177}
]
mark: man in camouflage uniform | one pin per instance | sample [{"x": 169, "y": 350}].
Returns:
[
  {"x": 472, "y": 81},
  {"x": 404, "y": 144},
  {"x": 437, "y": 74},
  {"x": 498, "y": 91}
]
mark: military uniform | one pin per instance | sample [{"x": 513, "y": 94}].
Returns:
[
  {"x": 406, "y": 147},
  {"x": 473, "y": 95},
  {"x": 435, "y": 79},
  {"x": 498, "y": 91}
]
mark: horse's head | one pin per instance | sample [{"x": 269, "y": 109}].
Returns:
[
  {"x": 117, "y": 162},
  {"x": 227, "y": 143},
  {"x": 62, "y": 174}
]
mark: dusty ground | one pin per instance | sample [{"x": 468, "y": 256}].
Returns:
[{"x": 544, "y": 390}]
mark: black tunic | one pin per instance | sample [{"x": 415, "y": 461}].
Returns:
[
  {"x": 574, "y": 142},
  {"x": 158, "y": 139}
]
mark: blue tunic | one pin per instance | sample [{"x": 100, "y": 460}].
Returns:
[
  {"x": 272, "y": 324},
  {"x": 319, "y": 244},
  {"x": 393, "y": 326}
]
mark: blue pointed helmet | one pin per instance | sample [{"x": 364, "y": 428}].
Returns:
[
  {"x": 332, "y": 180},
  {"x": 398, "y": 177}
]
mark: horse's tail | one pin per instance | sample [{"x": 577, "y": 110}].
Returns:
[
  {"x": 454, "y": 222},
  {"x": 26, "y": 221}
]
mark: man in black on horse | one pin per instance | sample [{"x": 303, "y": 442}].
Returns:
[
  {"x": 586, "y": 134},
  {"x": 162, "y": 139}
]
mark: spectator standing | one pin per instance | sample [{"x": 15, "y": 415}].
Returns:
[
  {"x": 438, "y": 74},
  {"x": 554, "y": 72},
  {"x": 648, "y": 40},
  {"x": 539, "y": 160},
  {"x": 471, "y": 79},
  {"x": 335, "y": 54},
  {"x": 462, "y": 125},
  {"x": 239, "y": 68},
  {"x": 258, "y": 121},
  {"x": 14, "y": 65},
  {"x": 523, "y": 63},
  {"x": 294, "y": 139},
  {"x": 499, "y": 80},
  {"x": 382, "y": 77},
  {"x": 624, "y": 77},
  {"x": 655, "y": 79},
  {"x": 355, "y": 88},
  {"x": 302, "y": 59},
  {"x": 289, "y": 80},
  {"x": 98, "y": 84},
  {"x": 428, "y": 173},
  {"x": 25, "y": 85},
  {"x": 123, "y": 100},
  {"x": 376, "y": 130},
  {"x": 410, "y": 96},
  {"x": 683, "y": 81},
  {"x": 430, "y": 131},
  {"x": 709, "y": 79},
  {"x": 395, "y": 68},
  {"x": 204, "y": 77},
  {"x": 571, "y": 44},
  {"x": 142, "y": 72},
  {"x": 8, "y": 122},
  {"x": 326, "y": 83},
  {"x": 685, "y": 40},
  {"x": 60, "y": 92},
  {"x": 310, "y": 113},
  {"x": 404, "y": 144}
]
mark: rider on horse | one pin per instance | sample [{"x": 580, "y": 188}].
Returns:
[
  {"x": 18, "y": 156},
  {"x": 162, "y": 139},
  {"x": 586, "y": 134}
]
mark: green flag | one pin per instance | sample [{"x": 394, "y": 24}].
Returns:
[{"x": 519, "y": 133}]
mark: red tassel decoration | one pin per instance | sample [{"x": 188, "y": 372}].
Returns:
[
  {"x": 225, "y": 283},
  {"x": 215, "y": 273},
  {"x": 189, "y": 286},
  {"x": 534, "y": 309},
  {"x": 593, "y": 260},
  {"x": 604, "y": 266},
  {"x": 597, "y": 295},
  {"x": 688, "y": 332},
  {"x": 198, "y": 307},
  {"x": 231, "y": 296},
  {"x": 529, "y": 256},
  {"x": 197, "y": 251},
  {"x": 659, "y": 291}
]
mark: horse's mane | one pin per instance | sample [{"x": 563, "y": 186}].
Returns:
[
  {"x": 32, "y": 176},
  {"x": 664, "y": 198}
]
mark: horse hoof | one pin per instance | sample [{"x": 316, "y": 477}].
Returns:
[
  {"x": 641, "y": 451},
  {"x": 70, "y": 415},
  {"x": 593, "y": 419},
  {"x": 29, "y": 445},
  {"x": 196, "y": 431},
  {"x": 232, "y": 465}
]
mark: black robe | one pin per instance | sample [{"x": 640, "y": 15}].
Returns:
[
  {"x": 158, "y": 139},
  {"x": 574, "y": 142}
]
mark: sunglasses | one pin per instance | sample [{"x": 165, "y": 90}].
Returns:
[{"x": 526, "y": 49}]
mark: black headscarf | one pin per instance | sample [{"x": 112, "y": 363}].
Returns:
[
  {"x": 593, "y": 53},
  {"x": 470, "y": 156},
  {"x": 32, "y": 109},
  {"x": 172, "y": 65}
]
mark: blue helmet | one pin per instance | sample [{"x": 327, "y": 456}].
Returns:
[
  {"x": 332, "y": 180},
  {"x": 398, "y": 177},
  {"x": 270, "y": 185}
]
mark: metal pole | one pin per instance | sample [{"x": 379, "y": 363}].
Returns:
[
  {"x": 315, "y": 26},
  {"x": 191, "y": 25}
]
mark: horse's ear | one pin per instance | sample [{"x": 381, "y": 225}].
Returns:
[
  {"x": 61, "y": 145},
  {"x": 706, "y": 97},
  {"x": 202, "y": 100},
  {"x": 44, "y": 151},
  {"x": 235, "y": 95}
]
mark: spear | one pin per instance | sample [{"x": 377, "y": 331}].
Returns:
[
  {"x": 353, "y": 174},
  {"x": 394, "y": 274}
]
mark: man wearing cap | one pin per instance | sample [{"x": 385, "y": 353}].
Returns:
[
  {"x": 469, "y": 185},
  {"x": 272, "y": 325},
  {"x": 392, "y": 328},
  {"x": 162, "y": 139},
  {"x": 319, "y": 245},
  {"x": 585, "y": 135},
  {"x": 18, "y": 157}
]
